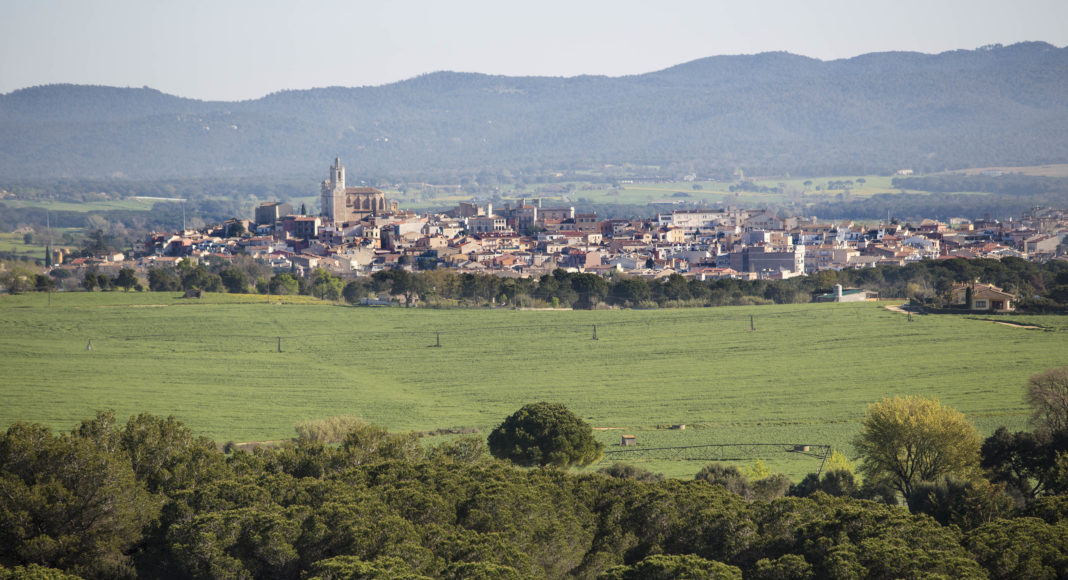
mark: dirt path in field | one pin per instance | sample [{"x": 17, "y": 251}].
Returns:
[
  {"x": 901, "y": 310},
  {"x": 1016, "y": 325}
]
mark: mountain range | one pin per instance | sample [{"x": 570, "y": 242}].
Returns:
[{"x": 767, "y": 114}]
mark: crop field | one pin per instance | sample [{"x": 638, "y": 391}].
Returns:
[
  {"x": 87, "y": 206},
  {"x": 12, "y": 244},
  {"x": 240, "y": 368},
  {"x": 715, "y": 193},
  {"x": 707, "y": 193}
]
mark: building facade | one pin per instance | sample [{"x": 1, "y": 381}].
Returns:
[{"x": 350, "y": 204}]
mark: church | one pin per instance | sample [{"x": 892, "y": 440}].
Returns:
[{"x": 351, "y": 204}]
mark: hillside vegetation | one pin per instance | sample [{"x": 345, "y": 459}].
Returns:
[
  {"x": 770, "y": 114},
  {"x": 148, "y": 498}
]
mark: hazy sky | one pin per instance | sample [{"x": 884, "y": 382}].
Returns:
[{"x": 243, "y": 49}]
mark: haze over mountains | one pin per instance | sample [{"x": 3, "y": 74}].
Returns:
[{"x": 770, "y": 113}]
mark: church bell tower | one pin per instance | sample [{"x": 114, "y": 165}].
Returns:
[{"x": 332, "y": 200}]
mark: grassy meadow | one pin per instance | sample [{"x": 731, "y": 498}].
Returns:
[
  {"x": 13, "y": 245},
  {"x": 804, "y": 375},
  {"x": 83, "y": 206}
]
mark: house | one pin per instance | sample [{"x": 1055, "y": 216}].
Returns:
[{"x": 983, "y": 297}]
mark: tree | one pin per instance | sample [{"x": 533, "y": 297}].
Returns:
[
  {"x": 1047, "y": 392},
  {"x": 166, "y": 456},
  {"x": 906, "y": 440},
  {"x": 1022, "y": 460},
  {"x": 590, "y": 289},
  {"x": 408, "y": 284},
  {"x": 1020, "y": 548},
  {"x": 325, "y": 285},
  {"x": 235, "y": 228},
  {"x": 674, "y": 566},
  {"x": 17, "y": 280},
  {"x": 466, "y": 449},
  {"x": 162, "y": 280},
  {"x": 545, "y": 434},
  {"x": 728, "y": 476},
  {"x": 43, "y": 283},
  {"x": 89, "y": 281},
  {"x": 127, "y": 278},
  {"x": 283, "y": 284},
  {"x": 632, "y": 289},
  {"x": 70, "y": 501},
  {"x": 200, "y": 278},
  {"x": 104, "y": 282},
  {"x": 97, "y": 242},
  {"x": 964, "y": 503},
  {"x": 628, "y": 471},
  {"x": 235, "y": 280}
]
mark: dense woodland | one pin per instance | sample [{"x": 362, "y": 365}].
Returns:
[
  {"x": 769, "y": 114},
  {"x": 347, "y": 499}
]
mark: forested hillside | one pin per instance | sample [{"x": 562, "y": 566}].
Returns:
[
  {"x": 149, "y": 499},
  {"x": 770, "y": 113}
]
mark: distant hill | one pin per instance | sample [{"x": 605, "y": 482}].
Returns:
[{"x": 769, "y": 113}]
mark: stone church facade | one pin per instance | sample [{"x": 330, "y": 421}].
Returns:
[{"x": 350, "y": 204}]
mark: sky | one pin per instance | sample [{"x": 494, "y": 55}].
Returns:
[{"x": 244, "y": 49}]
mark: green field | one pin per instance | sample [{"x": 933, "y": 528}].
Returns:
[
  {"x": 804, "y": 375},
  {"x": 12, "y": 244},
  {"x": 586, "y": 189},
  {"x": 86, "y": 206},
  {"x": 595, "y": 190}
]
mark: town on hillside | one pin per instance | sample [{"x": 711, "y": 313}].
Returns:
[{"x": 359, "y": 232}]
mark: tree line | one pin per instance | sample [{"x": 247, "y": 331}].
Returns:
[
  {"x": 1040, "y": 287},
  {"x": 147, "y": 498},
  {"x": 1009, "y": 184}
]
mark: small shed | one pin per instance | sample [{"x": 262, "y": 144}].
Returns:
[
  {"x": 846, "y": 295},
  {"x": 628, "y": 441}
]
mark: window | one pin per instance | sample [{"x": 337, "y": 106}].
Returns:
[{"x": 981, "y": 305}]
